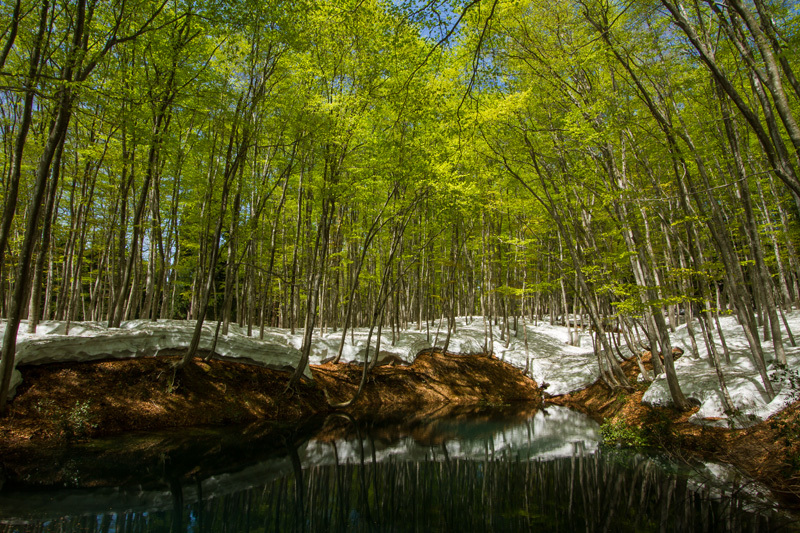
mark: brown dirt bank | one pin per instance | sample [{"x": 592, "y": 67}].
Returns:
[
  {"x": 62, "y": 403},
  {"x": 433, "y": 380},
  {"x": 768, "y": 452}
]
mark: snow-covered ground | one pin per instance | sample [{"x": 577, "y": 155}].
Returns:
[
  {"x": 548, "y": 356},
  {"x": 698, "y": 379},
  {"x": 552, "y": 360}
]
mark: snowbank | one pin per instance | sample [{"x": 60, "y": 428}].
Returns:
[
  {"x": 698, "y": 379},
  {"x": 548, "y": 356},
  {"x": 87, "y": 341}
]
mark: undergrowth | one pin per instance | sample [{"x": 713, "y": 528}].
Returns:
[
  {"x": 79, "y": 420},
  {"x": 623, "y": 434},
  {"x": 74, "y": 422}
]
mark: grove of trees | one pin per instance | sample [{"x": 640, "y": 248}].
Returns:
[{"x": 325, "y": 165}]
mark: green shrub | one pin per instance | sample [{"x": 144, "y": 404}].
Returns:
[
  {"x": 622, "y": 434},
  {"x": 78, "y": 421}
]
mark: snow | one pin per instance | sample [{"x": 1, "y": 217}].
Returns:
[
  {"x": 698, "y": 379},
  {"x": 564, "y": 367},
  {"x": 87, "y": 341},
  {"x": 549, "y": 357},
  {"x": 552, "y": 360}
]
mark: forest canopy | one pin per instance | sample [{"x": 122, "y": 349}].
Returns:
[{"x": 345, "y": 163}]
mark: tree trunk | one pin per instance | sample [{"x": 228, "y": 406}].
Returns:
[{"x": 22, "y": 277}]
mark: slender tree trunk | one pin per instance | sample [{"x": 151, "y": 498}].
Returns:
[
  {"x": 373, "y": 230},
  {"x": 320, "y": 256},
  {"x": 33, "y": 316},
  {"x": 22, "y": 277},
  {"x": 232, "y": 266},
  {"x": 763, "y": 275},
  {"x": 12, "y": 192},
  {"x": 234, "y": 158}
]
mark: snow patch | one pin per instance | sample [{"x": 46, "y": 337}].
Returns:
[
  {"x": 547, "y": 356},
  {"x": 699, "y": 380}
]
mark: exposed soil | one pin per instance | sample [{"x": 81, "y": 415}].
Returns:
[
  {"x": 433, "y": 380},
  {"x": 60, "y": 404},
  {"x": 768, "y": 452}
]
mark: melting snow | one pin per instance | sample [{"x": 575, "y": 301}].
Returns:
[
  {"x": 698, "y": 378},
  {"x": 548, "y": 356}
]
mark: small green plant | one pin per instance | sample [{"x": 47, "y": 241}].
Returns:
[
  {"x": 44, "y": 406},
  {"x": 788, "y": 427},
  {"x": 78, "y": 422},
  {"x": 483, "y": 402},
  {"x": 620, "y": 400},
  {"x": 622, "y": 434}
]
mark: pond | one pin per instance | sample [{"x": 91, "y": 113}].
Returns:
[{"x": 489, "y": 469}]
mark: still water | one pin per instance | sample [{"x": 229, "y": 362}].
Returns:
[{"x": 508, "y": 469}]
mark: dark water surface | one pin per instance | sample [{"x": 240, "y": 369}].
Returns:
[{"x": 487, "y": 470}]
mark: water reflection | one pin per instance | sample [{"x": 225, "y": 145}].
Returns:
[{"x": 492, "y": 470}]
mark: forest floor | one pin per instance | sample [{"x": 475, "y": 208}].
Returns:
[
  {"x": 768, "y": 452},
  {"x": 58, "y": 404}
]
